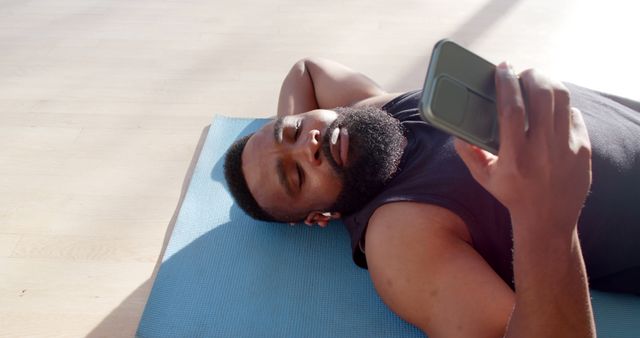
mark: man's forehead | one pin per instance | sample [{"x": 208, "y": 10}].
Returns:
[
  {"x": 258, "y": 166},
  {"x": 266, "y": 127},
  {"x": 255, "y": 151},
  {"x": 259, "y": 137}
]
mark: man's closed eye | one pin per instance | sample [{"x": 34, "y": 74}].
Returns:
[
  {"x": 300, "y": 176},
  {"x": 298, "y": 130}
]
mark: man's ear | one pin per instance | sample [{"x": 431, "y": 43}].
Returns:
[{"x": 321, "y": 217}]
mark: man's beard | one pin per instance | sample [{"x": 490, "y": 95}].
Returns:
[{"x": 376, "y": 144}]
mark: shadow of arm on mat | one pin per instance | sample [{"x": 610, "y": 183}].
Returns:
[{"x": 123, "y": 320}]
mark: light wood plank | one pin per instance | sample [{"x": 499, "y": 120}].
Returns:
[
  {"x": 8, "y": 243},
  {"x": 62, "y": 298},
  {"x": 76, "y": 248}
]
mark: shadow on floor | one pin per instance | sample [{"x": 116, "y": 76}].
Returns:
[{"x": 466, "y": 34}]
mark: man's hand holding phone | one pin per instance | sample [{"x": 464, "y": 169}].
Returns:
[{"x": 542, "y": 175}]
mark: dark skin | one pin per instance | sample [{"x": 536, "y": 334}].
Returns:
[
  {"x": 420, "y": 256},
  {"x": 308, "y": 93},
  {"x": 306, "y": 183}
]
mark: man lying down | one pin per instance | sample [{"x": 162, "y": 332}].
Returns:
[{"x": 457, "y": 241}]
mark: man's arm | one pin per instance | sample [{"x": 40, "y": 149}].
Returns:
[
  {"x": 542, "y": 176},
  {"x": 315, "y": 83},
  {"x": 420, "y": 257},
  {"x": 424, "y": 268}
]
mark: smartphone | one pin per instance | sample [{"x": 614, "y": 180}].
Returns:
[{"x": 459, "y": 95}]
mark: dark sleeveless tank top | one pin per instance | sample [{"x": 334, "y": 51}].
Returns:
[{"x": 431, "y": 172}]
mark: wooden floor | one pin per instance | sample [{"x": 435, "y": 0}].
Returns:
[{"x": 103, "y": 104}]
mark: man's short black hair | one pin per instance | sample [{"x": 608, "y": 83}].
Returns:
[{"x": 238, "y": 185}]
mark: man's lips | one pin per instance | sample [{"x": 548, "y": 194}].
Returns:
[{"x": 339, "y": 145}]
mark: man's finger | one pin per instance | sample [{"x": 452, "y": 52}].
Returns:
[
  {"x": 579, "y": 137},
  {"x": 538, "y": 92},
  {"x": 562, "y": 115},
  {"x": 511, "y": 110},
  {"x": 476, "y": 159}
]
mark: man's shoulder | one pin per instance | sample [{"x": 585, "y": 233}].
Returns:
[
  {"x": 376, "y": 101},
  {"x": 417, "y": 217}
]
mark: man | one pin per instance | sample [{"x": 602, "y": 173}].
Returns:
[{"x": 457, "y": 257}]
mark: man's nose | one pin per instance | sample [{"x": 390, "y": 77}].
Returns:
[{"x": 309, "y": 148}]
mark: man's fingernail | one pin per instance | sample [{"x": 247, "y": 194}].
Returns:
[{"x": 507, "y": 69}]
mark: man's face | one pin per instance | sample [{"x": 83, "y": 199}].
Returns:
[{"x": 321, "y": 161}]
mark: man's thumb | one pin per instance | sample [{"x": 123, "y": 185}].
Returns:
[{"x": 476, "y": 159}]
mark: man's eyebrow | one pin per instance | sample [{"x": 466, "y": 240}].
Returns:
[
  {"x": 277, "y": 129},
  {"x": 282, "y": 178}
]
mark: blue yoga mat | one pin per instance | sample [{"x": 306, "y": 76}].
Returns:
[{"x": 226, "y": 275}]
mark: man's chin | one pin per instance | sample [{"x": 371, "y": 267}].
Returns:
[{"x": 376, "y": 144}]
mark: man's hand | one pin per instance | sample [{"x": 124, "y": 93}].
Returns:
[{"x": 541, "y": 175}]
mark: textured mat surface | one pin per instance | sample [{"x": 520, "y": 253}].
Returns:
[{"x": 226, "y": 275}]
